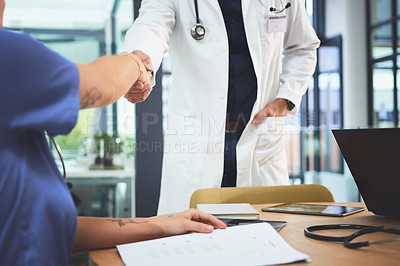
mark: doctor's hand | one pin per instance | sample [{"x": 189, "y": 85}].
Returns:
[
  {"x": 188, "y": 221},
  {"x": 278, "y": 108},
  {"x": 140, "y": 90}
]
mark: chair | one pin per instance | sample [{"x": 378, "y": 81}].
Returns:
[{"x": 261, "y": 195}]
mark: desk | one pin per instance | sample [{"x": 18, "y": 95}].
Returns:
[{"x": 321, "y": 253}]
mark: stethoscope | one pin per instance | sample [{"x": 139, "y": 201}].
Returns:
[
  {"x": 58, "y": 149},
  {"x": 198, "y": 31},
  {"x": 347, "y": 240}
]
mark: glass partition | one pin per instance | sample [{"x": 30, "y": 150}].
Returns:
[
  {"x": 398, "y": 7},
  {"x": 383, "y": 93},
  {"x": 381, "y": 41},
  {"x": 398, "y": 38},
  {"x": 383, "y": 29},
  {"x": 380, "y": 10}
]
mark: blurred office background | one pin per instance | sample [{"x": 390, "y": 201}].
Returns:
[{"x": 113, "y": 156}]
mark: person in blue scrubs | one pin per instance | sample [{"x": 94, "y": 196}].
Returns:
[{"x": 41, "y": 91}]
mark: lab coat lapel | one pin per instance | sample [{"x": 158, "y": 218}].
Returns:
[
  {"x": 245, "y": 8},
  {"x": 251, "y": 16},
  {"x": 215, "y": 5}
]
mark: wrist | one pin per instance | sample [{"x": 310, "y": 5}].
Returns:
[
  {"x": 287, "y": 103},
  {"x": 140, "y": 66},
  {"x": 156, "y": 229},
  {"x": 290, "y": 104}
]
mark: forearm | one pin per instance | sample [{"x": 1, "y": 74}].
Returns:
[
  {"x": 95, "y": 233},
  {"x": 105, "y": 80}
]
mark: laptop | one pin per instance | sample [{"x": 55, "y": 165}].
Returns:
[{"x": 373, "y": 157}]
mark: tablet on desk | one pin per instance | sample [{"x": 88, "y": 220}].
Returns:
[{"x": 314, "y": 209}]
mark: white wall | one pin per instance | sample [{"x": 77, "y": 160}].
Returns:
[{"x": 348, "y": 18}]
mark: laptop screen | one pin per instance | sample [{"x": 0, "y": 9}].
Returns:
[{"x": 373, "y": 157}]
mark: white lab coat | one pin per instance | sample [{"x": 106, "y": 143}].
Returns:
[{"x": 194, "y": 141}]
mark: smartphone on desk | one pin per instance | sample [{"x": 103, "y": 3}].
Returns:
[
  {"x": 314, "y": 209},
  {"x": 277, "y": 225}
]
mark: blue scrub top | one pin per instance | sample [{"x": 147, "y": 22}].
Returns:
[{"x": 39, "y": 90}]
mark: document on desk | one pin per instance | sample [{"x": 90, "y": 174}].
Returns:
[{"x": 253, "y": 244}]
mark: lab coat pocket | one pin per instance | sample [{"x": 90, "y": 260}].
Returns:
[
  {"x": 270, "y": 164},
  {"x": 271, "y": 125},
  {"x": 270, "y": 141}
]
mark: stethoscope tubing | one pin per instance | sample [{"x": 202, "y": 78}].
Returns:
[
  {"x": 309, "y": 231},
  {"x": 198, "y": 30},
  {"x": 361, "y": 230}
]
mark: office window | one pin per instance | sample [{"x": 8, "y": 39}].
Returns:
[
  {"x": 381, "y": 11},
  {"x": 383, "y": 93},
  {"x": 330, "y": 103},
  {"x": 398, "y": 35},
  {"x": 322, "y": 111},
  {"x": 310, "y": 146},
  {"x": 383, "y": 37}
]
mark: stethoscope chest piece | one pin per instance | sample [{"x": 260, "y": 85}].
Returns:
[{"x": 198, "y": 31}]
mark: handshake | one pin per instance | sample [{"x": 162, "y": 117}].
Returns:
[{"x": 141, "y": 89}]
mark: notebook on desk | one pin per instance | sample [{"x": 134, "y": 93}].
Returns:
[{"x": 373, "y": 157}]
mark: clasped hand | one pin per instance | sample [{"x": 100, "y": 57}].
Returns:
[{"x": 141, "y": 89}]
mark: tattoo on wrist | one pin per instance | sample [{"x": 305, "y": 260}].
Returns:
[
  {"x": 125, "y": 222},
  {"x": 91, "y": 97}
]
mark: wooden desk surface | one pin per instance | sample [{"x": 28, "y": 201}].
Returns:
[{"x": 321, "y": 252}]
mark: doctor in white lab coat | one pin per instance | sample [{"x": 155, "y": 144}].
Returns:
[{"x": 284, "y": 58}]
